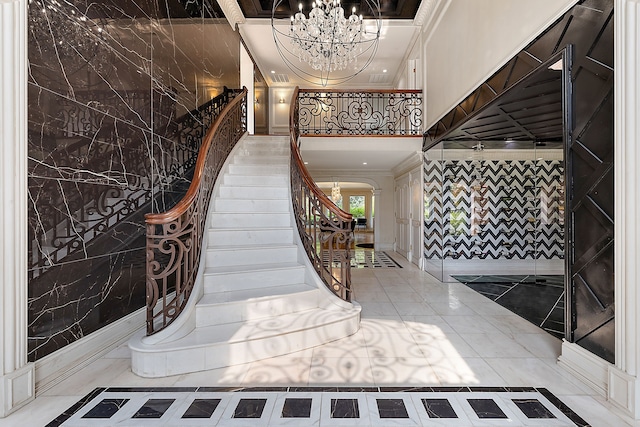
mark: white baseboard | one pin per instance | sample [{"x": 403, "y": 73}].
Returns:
[
  {"x": 16, "y": 389},
  {"x": 624, "y": 393},
  {"x": 585, "y": 366},
  {"x": 55, "y": 367}
]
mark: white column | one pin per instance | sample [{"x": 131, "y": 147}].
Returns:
[
  {"x": 624, "y": 384},
  {"x": 376, "y": 222},
  {"x": 17, "y": 385}
]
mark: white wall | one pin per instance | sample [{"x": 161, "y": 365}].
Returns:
[
  {"x": 279, "y": 112},
  {"x": 473, "y": 39}
]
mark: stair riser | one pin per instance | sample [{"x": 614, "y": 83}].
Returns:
[
  {"x": 251, "y": 280},
  {"x": 276, "y": 181},
  {"x": 256, "y": 205},
  {"x": 249, "y": 257},
  {"x": 250, "y": 237},
  {"x": 250, "y": 220},
  {"x": 220, "y": 355},
  {"x": 259, "y": 170},
  {"x": 254, "y": 310},
  {"x": 262, "y": 193},
  {"x": 269, "y": 159}
]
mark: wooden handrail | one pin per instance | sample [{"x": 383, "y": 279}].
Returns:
[
  {"x": 294, "y": 135},
  {"x": 326, "y": 231},
  {"x": 182, "y": 206},
  {"x": 175, "y": 237}
]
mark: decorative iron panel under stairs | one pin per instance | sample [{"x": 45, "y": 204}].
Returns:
[{"x": 256, "y": 296}]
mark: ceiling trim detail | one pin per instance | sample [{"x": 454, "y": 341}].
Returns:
[
  {"x": 232, "y": 12},
  {"x": 424, "y": 11}
]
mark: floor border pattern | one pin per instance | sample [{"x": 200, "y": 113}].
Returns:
[{"x": 319, "y": 406}]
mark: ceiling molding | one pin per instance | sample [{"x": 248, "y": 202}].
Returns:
[
  {"x": 232, "y": 12},
  {"x": 424, "y": 11}
]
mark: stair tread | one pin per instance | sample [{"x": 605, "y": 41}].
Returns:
[
  {"x": 230, "y": 333},
  {"x": 214, "y": 298},
  {"x": 257, "y": 268},
  {"x": 261, "y": 246}
]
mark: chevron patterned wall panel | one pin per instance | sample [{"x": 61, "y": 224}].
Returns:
[{"x": 494, "y": 209}]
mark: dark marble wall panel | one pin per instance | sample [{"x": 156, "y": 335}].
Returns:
[{"x": 112, "y": 87}]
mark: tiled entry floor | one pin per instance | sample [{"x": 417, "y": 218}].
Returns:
[
  {"x": 539, "y": 299},
  {"x": 319, "y": 406}
]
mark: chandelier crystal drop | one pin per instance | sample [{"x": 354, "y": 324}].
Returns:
[{"x": 327, "y": 41}]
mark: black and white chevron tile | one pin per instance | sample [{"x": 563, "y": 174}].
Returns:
[{"x": 495, "y": 209}]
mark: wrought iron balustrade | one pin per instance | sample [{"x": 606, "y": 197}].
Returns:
[
  {"x": 360, "y": 112},
  {"x": 326, "y": 231},
  {"x": 174, "y": 238}
]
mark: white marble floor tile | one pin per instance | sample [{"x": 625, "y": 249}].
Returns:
[
  {"x": 495, "y": 345},
  {"x": 541, "y": 345},
  {"x": 595, "y": 410},
  {"x": 39, "y": 413},
  {"x": 378, "y": 309},
  {"x": 452, "y": 371},
  {"x": 343, "y": 371},
  {"x": 470, "y": 325},
  {"x": 449, "y": 345},
  {"x": 414, "y": 308},
  {"x": 231, "y": 376},
  {"x": 537, "y": 373},
  {"x": 279, "y": 371},
  {"x": 426, "y": 324},
  {"x": 100, "y": 373},
  {"x": 390, "y": 371}
]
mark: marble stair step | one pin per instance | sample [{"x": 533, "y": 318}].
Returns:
[
  {"x": 260, "y": 160},
  {"x": 251, "y": 205},
  {"x": 243, "y": 236},
  {"x": 251, "y": 255},
  {"x": 231, "y": 344},
  {"x": 256, "y": 180},
  {"x": 243, "y": 277},
  {"x": 252, "y": 192},
  {"x": 260, "y": 170},
  {"x": 252, "y": 304},
  {"x": 250, "y": 220}
]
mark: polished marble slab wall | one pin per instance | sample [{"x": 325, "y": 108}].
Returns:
[{"x": 111, "y": 85}]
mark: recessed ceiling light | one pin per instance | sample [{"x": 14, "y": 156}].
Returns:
[
  {"x": 306, "y": 163},
  {"x": 273, "y": 71},
  {"x": 384, "y": 71},
  {"x": 364, "y": 163}
]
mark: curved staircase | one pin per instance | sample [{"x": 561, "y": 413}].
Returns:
[{"x": 257, "y": 295}]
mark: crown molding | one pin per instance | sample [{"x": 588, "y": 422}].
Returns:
[
  {"x": 232, "y": 12},
  {"x": 425, "y": 11}
]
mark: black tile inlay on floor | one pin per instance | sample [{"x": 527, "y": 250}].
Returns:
[
  {"x": 392, "y": 408},
  {"x": 201, "y": 408},
  {"x": 539, "y": 299},
  {"x": 297, "y": 407},
  {"x": 439, "y": 408},
  {"x": 277, "y": 406},
  {"x": 486, "y": 408},
  {"x": 345, "y": 408},
  {"x": 106, "y": 408},
  {"x": 154, "y": 408}
]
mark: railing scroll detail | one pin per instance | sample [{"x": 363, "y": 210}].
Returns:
[
  {"x": 360, "y": 112},
  {"x": 174, "y": 237},
  {"x": 326, "y": 231}
]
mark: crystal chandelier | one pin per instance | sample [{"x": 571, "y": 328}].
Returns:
[
  {"x": 335, "y": 192},
  {"x": 327, "y": 41}
]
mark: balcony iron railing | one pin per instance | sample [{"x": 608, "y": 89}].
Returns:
[
  {"x": 360, "y": 112},
  {"x": 174, "y": 238}
]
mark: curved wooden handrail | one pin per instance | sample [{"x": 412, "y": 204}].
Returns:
[
  {"x": 294, "y": 135},
  {"x": 175, "y": 237},
  {"x": 182, "y": 206},
  {"x": 326, "y": 230}
]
